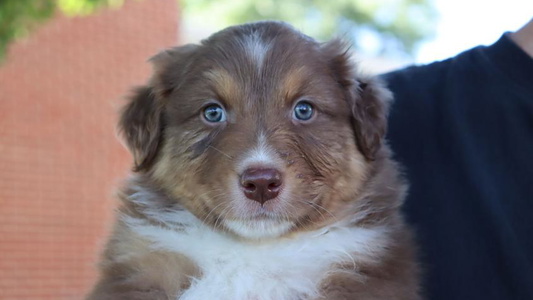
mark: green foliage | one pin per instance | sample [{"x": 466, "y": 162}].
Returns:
[
  {"x": 19, "y": 17},
  {"x": 399, "y": 24}
]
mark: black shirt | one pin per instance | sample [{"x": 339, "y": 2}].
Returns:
[{"x": 463, "y": 129}]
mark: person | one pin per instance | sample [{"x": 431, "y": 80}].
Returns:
[{"x": 463, "y": 130}]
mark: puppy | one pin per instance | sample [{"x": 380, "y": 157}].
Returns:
[{"x": 260, "y": 173}]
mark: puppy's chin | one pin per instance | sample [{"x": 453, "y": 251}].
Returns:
[
  {"x": 258, "y": 228},
  {"x": 251, "y": 220}
]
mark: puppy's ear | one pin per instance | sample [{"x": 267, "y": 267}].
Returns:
[
  {"x": 370, "y": 110},
  {"x": 141, "y": 122},
  {"x": 141, "y": 126},
  {"x": 170, "y": 66},
  {"x": 368, "y": 99}
]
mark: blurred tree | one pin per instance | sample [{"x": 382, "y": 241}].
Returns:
[
  {"x": 396, "y": 25},
  {"x": 18, "y": 17}
]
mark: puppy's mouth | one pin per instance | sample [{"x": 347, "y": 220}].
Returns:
[
  {"x": 272, "y": 211},
  {"x": 259, "y": 206},
  {"x": 259, "y": 227}
]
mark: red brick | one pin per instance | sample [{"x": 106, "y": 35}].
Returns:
[{"x": 60, "y": 161}]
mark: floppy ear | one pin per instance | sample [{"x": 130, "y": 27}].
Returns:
[
  {"x": 368, "y": 99},
  {"x": 170, "y": 66},
  {"x": 141, "y": 126},
  {"x": 141, "y": 121},
  {"x": 370, "y": 110}
]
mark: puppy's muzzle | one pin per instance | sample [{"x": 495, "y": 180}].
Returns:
[{"x": 260, "y": 184}]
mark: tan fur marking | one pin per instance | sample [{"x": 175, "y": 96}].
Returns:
[
  {"x": 292, "y": 83},
  {"x": 224, "y": 84}
]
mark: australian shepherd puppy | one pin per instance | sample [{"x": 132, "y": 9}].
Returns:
[{"x": 260, "y": 173}]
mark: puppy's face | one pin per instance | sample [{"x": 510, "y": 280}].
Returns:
[{"x": 259, "y": 130}]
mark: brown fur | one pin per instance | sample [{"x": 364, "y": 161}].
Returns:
[{"x": 337, "y": 162}]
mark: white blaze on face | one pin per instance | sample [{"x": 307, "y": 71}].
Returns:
[
  {"x": 271, "y": 224},
  {"x": 256, "y": 49},
  {"x": 262, "y": 155}
]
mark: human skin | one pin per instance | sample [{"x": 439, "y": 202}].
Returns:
[{"x": 524, "y": 38}]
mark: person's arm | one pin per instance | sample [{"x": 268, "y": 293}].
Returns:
[{"x": 524, "y": 38}]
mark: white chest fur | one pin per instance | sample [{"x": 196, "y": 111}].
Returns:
[{"x": 282, "y": 269}]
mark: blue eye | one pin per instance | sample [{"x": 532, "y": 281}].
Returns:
[
  {"x": 303, "y": 111},
  {"x": 214, "y": 113}
]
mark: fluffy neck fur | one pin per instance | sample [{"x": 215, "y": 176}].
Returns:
[{"x": 288, "y": 268}]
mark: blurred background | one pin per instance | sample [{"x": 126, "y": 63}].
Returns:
[{"x": 66, "y": 65}]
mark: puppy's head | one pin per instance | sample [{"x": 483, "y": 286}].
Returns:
[{"x": 259, "y": 130}]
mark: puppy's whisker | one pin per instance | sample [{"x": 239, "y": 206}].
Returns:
[
  {"x": 287, "y": 215},
  {"x": 318, "y": 207},
  {"x": 321, "y": 207},
  {"x": 202, "y": 195},
  {"x": 221, "y": 152},
  {"x": 220, "y": 217},
  {"x": 211, "y": 211}
]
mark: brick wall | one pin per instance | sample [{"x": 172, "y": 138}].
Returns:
[{"x": 60, "y": 161}]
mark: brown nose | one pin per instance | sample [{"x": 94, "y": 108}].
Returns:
[{"x": 261, "y": 185}]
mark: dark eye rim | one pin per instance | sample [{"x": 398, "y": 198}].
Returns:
[
  {"x": 313, "y": 110},
  {"x": 210, "y": 104}
]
